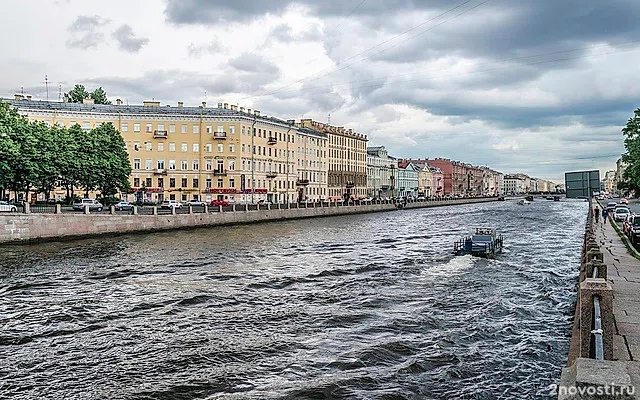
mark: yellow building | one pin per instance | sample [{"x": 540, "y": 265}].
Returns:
[
  {"x": 204, "y": 153},
  {"x": 311, "y": 164},
  {"x": 347, "y": 160}
]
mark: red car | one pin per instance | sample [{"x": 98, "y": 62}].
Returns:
[{"x": 217, "y": 203}]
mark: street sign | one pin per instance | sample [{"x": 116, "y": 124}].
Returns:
[{"x": 242, "y": 182}]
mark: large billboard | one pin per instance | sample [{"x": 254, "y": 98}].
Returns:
[{"x": 582, "y": 183}]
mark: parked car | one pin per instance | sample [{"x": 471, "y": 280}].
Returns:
[
  {"x": 367, "y": 199},
  {"x": 217, "y": 203},
  {"x": 171, "y": 204},
  {"x": 123, "y": 206},
  {"x": 94, "y": 205},
  {"x": 6, "y": 207},
  {"x": 634, "y": 229},
  {"x": 195, "y": 203},
  {"x": 611, "y": 206},
  {"x": 620, "y": 213}
]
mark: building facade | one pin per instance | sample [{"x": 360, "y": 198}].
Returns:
[
  {"x": 182, "y": 153},
  {"x": 311, "y": 164},
  {"x": 425, "y": 180},
  {"x": 514, "y": 185},
  {"x": 408, "y": 179},
  {"x": 347, "y": 159},
  {"x": 380, "y": 170}
]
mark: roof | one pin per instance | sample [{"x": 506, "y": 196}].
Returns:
[{"x": 136, "y": 109}]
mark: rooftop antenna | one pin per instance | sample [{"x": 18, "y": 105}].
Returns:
[
  {"x": 46, "y": 85},
  {"x": 205, "y": 95},
  {"x": 329, "y": 119},
  {"x": 22, "y": 90},
  {"x": 59, "y": 92}
]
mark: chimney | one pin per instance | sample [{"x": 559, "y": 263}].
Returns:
[
  {"x": 248, "y": 111},
  {"x": 87, "y": 101},
  {"x": 226, "y": 106},
  {"x": 118, "y": 102},
  {"x": 29, "y": 97},
  {"x": 18, "y": 97},
  {"x": 256, "y": 112},
  {"x": 180, "y": 104},
  {"x": 291, "y": 121},
  {"x": 219, "y": 105},
  {"x": 151, "y": 103},
  {"x": 204, "y": 104},
  {"x": 234, "y": 108},
  {"x": 242, "y": 109}
]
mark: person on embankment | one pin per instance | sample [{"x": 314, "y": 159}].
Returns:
[
  {"x": 596, "y": 213},
  {"x": 605, "y": 214}
]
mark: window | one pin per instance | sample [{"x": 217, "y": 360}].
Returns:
[
  {"x": 149, "y": 128},
  {"x": 208, "y": 165},
  {"x": 172, "y": 164},
  {"x": 183, "y": 183},
  {"x": 160, "y": 146},
  {"x": 244, "y": 130},
  {"x": 244, "y": 165},
  {"x": 184, "y": 128},
  {"x": 219, "y": 165},
  {"x": 196, "y": 147},
  {"x": 124, "y": 127},
  {"x": 136, "y": 182},
  {"x": 195, "y": 182},
  {"x": 220, "y": 128},
  {"x": 161, "y": 127},
  {"x": 184, "y": 147},
  {"x": 172, "y": 147},
  {"x": 232, "y": 148},
  {"x": 172, "y": 182},
  {"x": 232, "y": 165},
  {"x": 148, "y": 182},
  {"x": 160, "y": 164},
  {"x": 160, "y": 182},
  {"x": 220, "y": 148},
  {"x": 209, "y": 129},
  {"x": 148, "y": 146},
  {"x": 136, "y": 163},
  {"x": 243, "y": 148},
  {"x": 184, "y": 165},
  {"x": 220, "y": 183},
  {"x": 136, "y": 146},
  {"x": 136, "y": 127},
  {"x": 208, "y": 182},
  {"x": 196, "y": 129},
  {"x": 232, "y": 183},
  {"x": 86, "y": 126},
  {"x": 232, "y": 129},
  {"x": 172, "y": 128},
  {"x": 196, "y": 165},
  {"x": 208, "y": 147},
  {"x": 148, "y": 163}
]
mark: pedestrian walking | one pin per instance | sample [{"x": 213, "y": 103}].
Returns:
[
  {"x": 605, "y": 214},
  {"x": 596, "y": 213}
]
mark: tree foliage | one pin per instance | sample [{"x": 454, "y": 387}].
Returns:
[
  {"x": 631, "y": 157},
  {"x": 79, "y": 93},
  {"x": 35, "y": 157}
]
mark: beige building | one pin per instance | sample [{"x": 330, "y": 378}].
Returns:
[
  {"x": 311, "y": 164},
  {"x": 425, "y": 180},
  {"x": 176, "y": 152},
  {"x": 347, "y": 159}
]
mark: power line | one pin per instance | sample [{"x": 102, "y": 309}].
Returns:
[
  {"x": 370, "y": 48},
  {"x": 346, "y": 16}
]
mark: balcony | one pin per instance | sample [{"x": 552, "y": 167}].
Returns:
[
  {"x": 302, "y": 182},
  {"x": 272, "y": 140},
  {"x": 160, "y": 134},
  {"x": 350, "y": 185},
  {"x": 384, "y": 187},
  {"x": 272, "y": 174},
  {"x": 159, "y": 171},
  {"x": 219, "y": 172},
  {"x": 220, "y": 135}
]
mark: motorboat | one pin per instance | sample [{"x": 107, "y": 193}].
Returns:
[
  {"x": 484, "y": 242},
  {"x": 523, "y": 202}
]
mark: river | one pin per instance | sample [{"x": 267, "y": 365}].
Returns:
[{"x": 354, "y": 307}]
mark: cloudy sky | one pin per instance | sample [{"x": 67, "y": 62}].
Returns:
[{"x": 540, "y": 87}]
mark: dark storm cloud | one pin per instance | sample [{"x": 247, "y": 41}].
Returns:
[
  {"x": 127, "y": 40},
  {"x": 86, "y": 31}
]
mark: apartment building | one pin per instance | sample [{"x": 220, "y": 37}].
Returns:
[
  {"x": 381, "y": 171},
  {"x": 177, "y": 152},
  {"x": 347, "y": 159},
  {"x": 311, "y": 164},
  {"x": 408, "y": 178}
]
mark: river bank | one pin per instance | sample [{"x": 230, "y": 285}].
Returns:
[{"x": 21, "y": 228}]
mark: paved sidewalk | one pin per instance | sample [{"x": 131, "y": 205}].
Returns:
[{"x": 623, "y": 271}]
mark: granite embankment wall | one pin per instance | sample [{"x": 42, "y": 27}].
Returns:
[{"x": 16, "y": 228}]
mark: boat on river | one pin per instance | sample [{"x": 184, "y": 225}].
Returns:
[
  {"x": 484, "y": 242},
  {"x": 523, "y": 202}
]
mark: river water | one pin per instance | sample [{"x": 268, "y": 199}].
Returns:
[{"x": 356, "y": 307}]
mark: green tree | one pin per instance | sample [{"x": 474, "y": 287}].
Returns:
[
  {"x": 631, "y": 134},
  {"x": 77, "y": 94},
  {"x": 112, "y": 161},
  {"x": 99, "y": 96}
]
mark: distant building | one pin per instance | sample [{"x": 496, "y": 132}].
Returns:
[
  {"x": 609, "y": 182},
  {"x": 582, "y": 183},
  {"x": 380, "y": 172},
  {"x": 514, "y": 184},
  {"x": 408, "y": 178}
]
